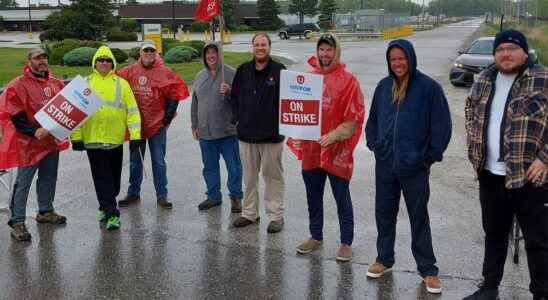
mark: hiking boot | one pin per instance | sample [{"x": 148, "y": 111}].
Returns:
[
  {"x": 113, "y": 223},
  {"x": 236, "y": 204},
  {"x": 242, "y": 222},
  {"x": 308, "y": 246},
  {"x": 377, "y": 270},
  {"x": 344, "y": 253},
  {"x": 208, "y": 203},
  {"x": 275, "y": 226},
  {"x": 164, "y": 203},
  {"x": 51, "y": 217},
  {"x": 484, "y": 293},
  {"x": 101, "y": 217},
  {"x": 433, "y": 284},
  {"x": 128, "y": 200},
  {"x": 19, "y": 232}
]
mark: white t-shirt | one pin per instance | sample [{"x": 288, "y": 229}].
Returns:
[{"x": 503, "y": 85}]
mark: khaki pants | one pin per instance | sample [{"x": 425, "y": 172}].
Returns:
[{"x": 268, "y": 159}]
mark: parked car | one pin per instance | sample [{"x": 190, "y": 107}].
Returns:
[
  {"x": 474, "y": 59},
  {"x": 301, "y": 30}
]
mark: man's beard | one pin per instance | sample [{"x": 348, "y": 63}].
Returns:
[
  {"x": 513, "y": 70},
  {"x": 261, "y": 60}
]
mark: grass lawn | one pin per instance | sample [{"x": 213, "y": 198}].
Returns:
[{"x": 12, "y": 61}]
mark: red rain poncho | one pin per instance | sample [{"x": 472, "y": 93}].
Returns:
[
  {"x": 152, "y": 87},
  {"x": 343, "y": 101},
  {"x": 28, "y": 94}
]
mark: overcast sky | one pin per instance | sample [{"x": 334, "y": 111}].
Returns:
[{"x": 53, "y": 2}]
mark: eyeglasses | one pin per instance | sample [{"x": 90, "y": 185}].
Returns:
[
  {"x": 507, "y": 49},
  {"x": 102, "y": 60},
  {"x": 149, "y": 50}
]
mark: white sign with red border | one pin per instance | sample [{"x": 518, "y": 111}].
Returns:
[
  {"x": 69, "y": 109},
  {"x": 301, "y": 105}
]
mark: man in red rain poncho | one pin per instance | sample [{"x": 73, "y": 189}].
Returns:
[
  {"x": 158, "y": 91},
  {"x": 27, "y": 145},
  {"x": 331, "y": 156}
]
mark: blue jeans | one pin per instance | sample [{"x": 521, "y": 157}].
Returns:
[
  {"x": 211, "y": 152},
  {"x": 416, "y": 192},
  {"x": 45, "y": 187},
  {"x": 157, "y": 146},
  {"x": 314, "y": 181}
]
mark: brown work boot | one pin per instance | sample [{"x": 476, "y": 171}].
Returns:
[
  {"x": 19, "y": 232},
  {"x": 377, "y": 270},
  {"x": 242, "y": 222},
  {"x": 236, "y": 204},
  {"x": 344, "y": 253},
  {"x": 164, "y": 203},
  {"x": 51, "y": 217},
  {"x": 433, "y": 284},
  {"x": 275, "y": 226},
  {"x": 128, "y": 200},
  {"x": 308, "y": 246}
]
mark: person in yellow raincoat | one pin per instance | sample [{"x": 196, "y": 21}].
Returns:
[{"x": 104, "y": 133}]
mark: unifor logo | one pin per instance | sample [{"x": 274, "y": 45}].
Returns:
[
  {"x": 143, "y": 80},
  {"x": 210, "y": 6},
  {"x": 86, "y": 92},
  {"x": 300, "y": 79},
  {"x": 48, "y": 92}
]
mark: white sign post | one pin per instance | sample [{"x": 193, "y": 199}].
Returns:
[
  {"x": 300, "y": 105},
  {"x": 69, "y": 109}
]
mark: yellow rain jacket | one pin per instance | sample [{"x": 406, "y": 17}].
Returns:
[{"x": 118, "y": 113}]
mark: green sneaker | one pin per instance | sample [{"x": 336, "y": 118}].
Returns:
[
  {"x": 113, "y": 223},
  {"x": 101, "y": 217}
]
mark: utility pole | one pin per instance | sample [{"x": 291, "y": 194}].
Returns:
[
  {"x": 30, "y": 22},
  {"x": 173, "y": 17}
]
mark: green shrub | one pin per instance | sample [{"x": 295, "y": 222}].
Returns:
[
  {"x": 244, "y": 27},
  {"x": 129, "y": 25},
  {"x": 169, "y": 43},
  {"x": 92, "y": 44},
  {"x": 198, "y": 45},
  {"x": 120, "y": 55},
  {"x": 79, "y": 57},
  {"x": 117, "y": 35},
  {"x": 135, "y": 53},
  {"x": 56, "y": 51},
  {"x": 199, "y": 26},
  {"x": 178, "y": 55}
]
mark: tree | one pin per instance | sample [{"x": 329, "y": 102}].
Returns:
[
  {"x": 228, "y": 14},
  {"x": 303, "y": 8},
  {"x": 131, "y": 2},
  {"x": 8, "y": 3},
  {"x": 327, "y": 9},
  {"x": 83, "y": 19},
  {"x": 268, "y": 11}
]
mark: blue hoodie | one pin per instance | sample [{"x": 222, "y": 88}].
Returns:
[{"x": 415, "y": 133}]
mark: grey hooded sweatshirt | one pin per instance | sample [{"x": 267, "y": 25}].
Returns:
[{"x": 211, "y": 113}]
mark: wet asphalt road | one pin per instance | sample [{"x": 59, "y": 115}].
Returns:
[{"x": 187, "y": 254}]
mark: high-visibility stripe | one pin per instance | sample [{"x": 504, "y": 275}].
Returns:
[
  {"x": 133, "y": 110},
  {"x": 134, "y": 126}
]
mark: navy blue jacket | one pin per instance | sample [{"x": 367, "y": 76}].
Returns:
[{"x": 415, "y": 133}]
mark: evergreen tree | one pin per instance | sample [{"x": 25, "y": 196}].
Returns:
[
  {"x": 268, "y": 11},
  {"x": 228, "y": 14},
  {"x": 8, "y": 3},
  {"x": 303, "y": 8},
  {"x": 82, "y": 19},
  {"x": 327, "y": 9}
]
